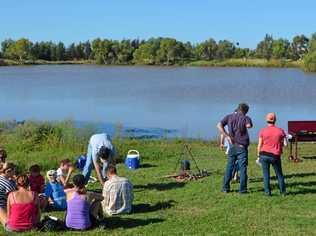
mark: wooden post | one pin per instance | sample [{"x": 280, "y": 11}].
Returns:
[
  {"x": 291, "y": 150},
  {"x": 295, "y": 157}
]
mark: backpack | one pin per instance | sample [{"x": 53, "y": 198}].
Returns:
[
  {"x": 51, "y": 224},
  {"x": 80, "y": 162}
]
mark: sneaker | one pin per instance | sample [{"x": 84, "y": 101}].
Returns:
[{"x": 92, "y": 180}]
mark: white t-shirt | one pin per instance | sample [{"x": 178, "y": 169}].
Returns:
[{"x": 60, "y": 173}]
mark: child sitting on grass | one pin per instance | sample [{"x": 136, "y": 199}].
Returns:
[
  {"x": 64, "y": 171},
  {"x": 54, "y": 192},
  {"x": 37, "y": 181}
]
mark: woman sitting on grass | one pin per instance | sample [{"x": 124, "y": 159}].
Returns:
[
  {"x": 6, "y": 186},
  {"x": 79, "y": 208},
  {"x": 23, "y": 207}
]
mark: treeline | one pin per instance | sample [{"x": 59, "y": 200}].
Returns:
[{"x": 160, "y": 51}]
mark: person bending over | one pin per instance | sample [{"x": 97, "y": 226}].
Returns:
[
  {"x": 101, "y": 151},
  {"x": 270, "y": 145}
]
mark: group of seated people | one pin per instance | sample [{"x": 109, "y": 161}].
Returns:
[{"x": 24, "y": 196}]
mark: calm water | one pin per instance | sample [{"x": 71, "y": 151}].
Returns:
[{"x": 155, "y": 100}]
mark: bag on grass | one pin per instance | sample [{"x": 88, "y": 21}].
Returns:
[
  {"x": 80, "y": 162},
  {"x": 51, "y": 224}
]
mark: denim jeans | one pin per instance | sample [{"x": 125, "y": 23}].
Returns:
[
  {"x": 236, "y": 168},
  {"x": 89, "y": 166},
  {"x": 239, "y": 154},
  {"x": 266, "y": 161}
]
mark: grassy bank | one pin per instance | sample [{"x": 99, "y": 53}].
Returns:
[
  {"x": 165, "y": 207},
  {"x": 213, "y": 63},
  {"x": 6, "y": 62},
  {"x": 248, "y": 63}
]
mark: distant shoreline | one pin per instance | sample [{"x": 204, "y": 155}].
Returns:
[{"x": 260, "y": 63}]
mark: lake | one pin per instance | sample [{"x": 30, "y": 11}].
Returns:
[{"x": 155, "y": 101}]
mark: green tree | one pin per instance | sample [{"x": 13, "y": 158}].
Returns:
[
  {"x": 310, "y": 62},
  {"x": 189, "y": 52},
  {"x": 20, "y": 50},
  {"x": 225, "y": 49},
  {"x": 312, "y": 43},
  {"x": 125, "y": 52},
  {"x": 5, "y": 45},
  {"x": 170, "y": 52},
  {"x": 60, "y": 52},
  {"x": 241, "y": 52},
  {"x": 206, "y": 50},
  {"x": 71, "y": 52},
  {"x": 87, "y": 50},
  {"x": 53, "y": 51},
  {"x": 299, "y": 47},
  {"x": 281, "y": 49},
  {"x": 146, "y": 53},
  {"x": 264, "y": 48},
  {"x": 42, "y": 50},
  {"x": 103, "y": 51}
]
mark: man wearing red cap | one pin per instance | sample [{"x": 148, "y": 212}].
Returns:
[{"x": 271, "y": 141}]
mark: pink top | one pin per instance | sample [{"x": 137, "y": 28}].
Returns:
[
  {"x": 272, "y": 139},
  {"x": 23, "y": 216}
]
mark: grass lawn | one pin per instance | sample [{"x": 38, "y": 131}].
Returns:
[{"x": 164, "y": 207}]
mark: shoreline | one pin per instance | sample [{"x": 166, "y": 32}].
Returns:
[{"x": 256, "y": 63}]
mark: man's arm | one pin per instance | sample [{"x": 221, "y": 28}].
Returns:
[
  {"x": 97, "y": 169},
  {"x": 223, "y": 132},
  {"x": 66, "y": 180},
  {"x": 221, "y": 142},
  {"x": 249, "y": 124}
]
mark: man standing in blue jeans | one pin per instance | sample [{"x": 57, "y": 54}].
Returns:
[
  {"x": 100, "y": 151},
  {"x": 270, "y": 145},
  {"x": 238, "y": 124}
]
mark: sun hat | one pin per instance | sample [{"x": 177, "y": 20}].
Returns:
[
  {"x": 51, "y": 173},
  {"x": 271, "y": 117}
]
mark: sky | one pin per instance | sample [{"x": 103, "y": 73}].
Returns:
[{"x": 242, "y": 21}]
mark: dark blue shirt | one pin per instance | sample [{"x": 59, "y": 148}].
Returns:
[{"x": 237, "y": 129}]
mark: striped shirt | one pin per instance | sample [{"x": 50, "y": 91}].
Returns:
[
  {"x": 118, "y": 196},
  {"x": 6, "y": 186}
]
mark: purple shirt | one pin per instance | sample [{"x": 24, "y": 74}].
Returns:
[
  {"x": 78, "y": 215},
  {"x": 237, "y": 129}
]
